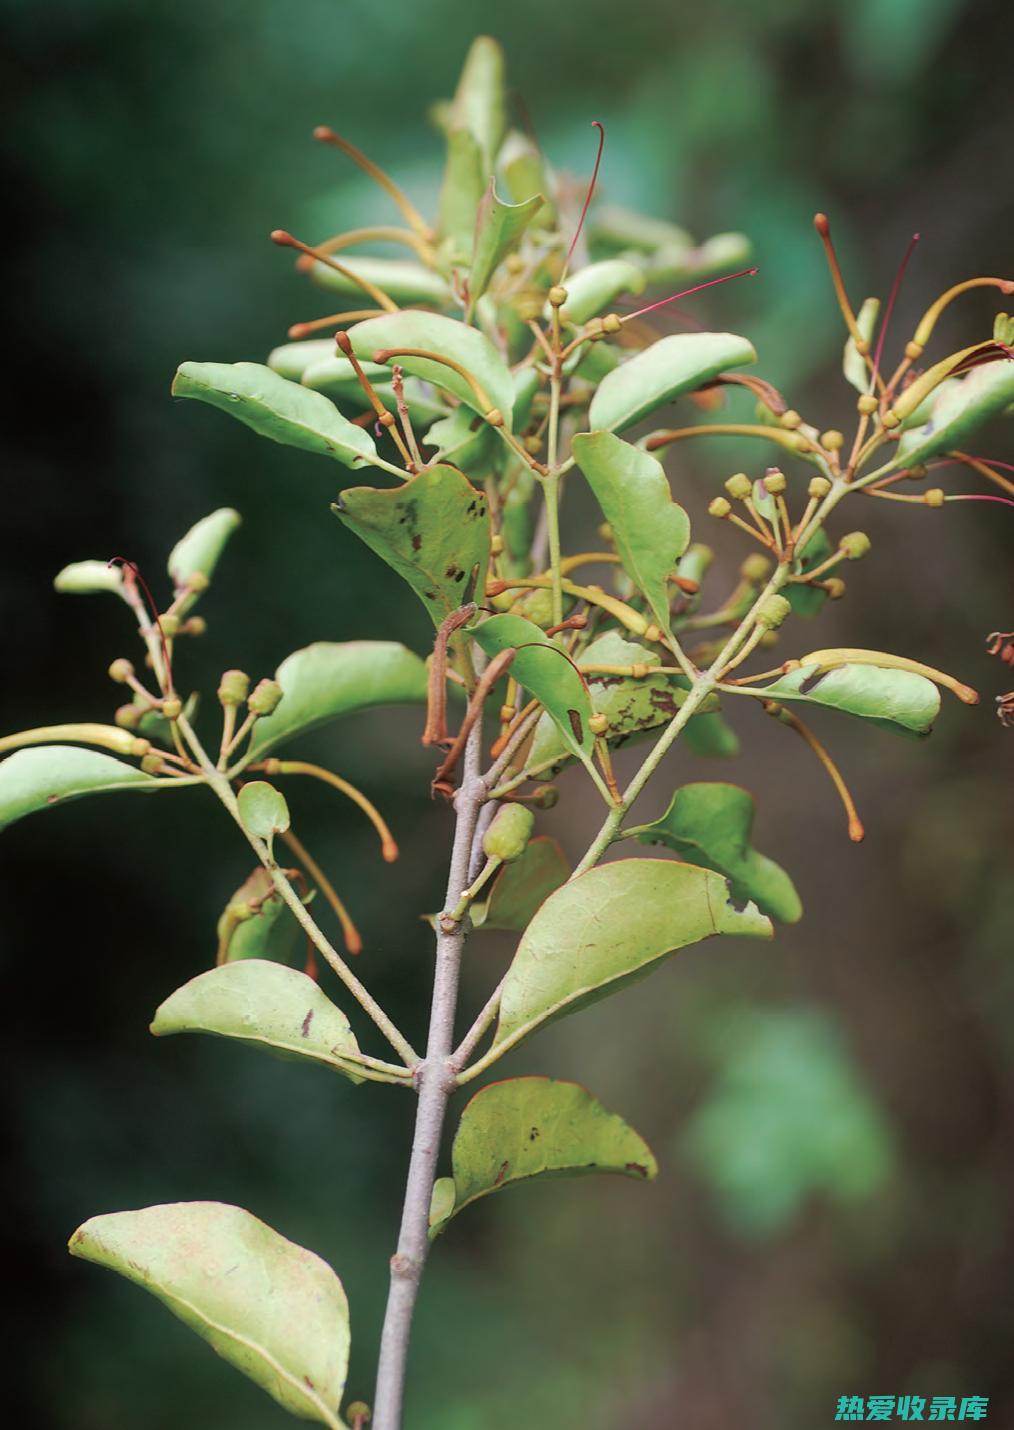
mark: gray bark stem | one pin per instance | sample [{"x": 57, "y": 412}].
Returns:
[{"x": 435, "y": 1079}]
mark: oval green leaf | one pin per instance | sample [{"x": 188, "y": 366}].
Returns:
[
  {"x": 609, "y": 927},
  {"x": 263, "y": 810},
  {"x": 668, "y": 368},
  {"x": 270, "y": 1308},
  {"x": 710, "y": 825},
  {"x": 85, "y": 578},
  {"x": 197, "y": 553},
  {"x": 498, "y": 230},
  {"x": 651, "y": 531},
  {"x": 448, "y": 338},
  {"x": 328, "y": 679},
  {"x": 400, "y": 278},
  {"x": 528, "y": 1127},
  {"x": 434, "y": 531},
  {"x": 593, "y": 289},
  {"x": 276, "y": 408},
  {"x": 547, "y": 673},
  {"x": 896, "y": 700},
  {"x": 43, "y": 776},
  {"x": 480, "y": 101},
  {"x": 264, "y": 1005},
  {"x": 958, "y": 410}
]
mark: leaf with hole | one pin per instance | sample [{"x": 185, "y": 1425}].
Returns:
[
  {"x": 498, "y": 231},
  {"x": 547, "y": 673},
  {"x": 276, "y": 408},
  {"x": 329, "y": 679},
  {"x": 710, "y": 825},
  {"x": 528, "y": 1127},
  {"x": 265, "y": 1005},
  {"x": 650, "y": 530},
  {"x": 895, "y": 700},
  {"x": 609, "y": 927},
  {"x": 447, "y": 338},
  {"x": 433, "y": 531},
  {"x": 41, "y": 777},
  {"x": 270, "y": 1308},
  {"x": 666, "y": 370}
]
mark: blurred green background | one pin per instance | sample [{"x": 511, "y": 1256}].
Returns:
[{"x": 832, "y": 1112}]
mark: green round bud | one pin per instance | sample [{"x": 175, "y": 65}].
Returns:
[
  {"x": 719, "y": 507},
  {"x": 128, "y": 717},
  {"x": 507, "y": 837},
  {"x": 121, "y": 670},
  {"x": 790, "y": 419},
  {"x": 739, "y": 486},
  {"x": 916, "y": 473},
  {"x": 835, "y": 588},
  {"x": 598, "y": 723},
  {"x": 169, "y": 626},
  {"x": 557, "y": 295},
  {"x": 358, "y": 1414},
  {"x": 514, "y": 263},
  {"x": 234, "y": 687},
  {"x": 934, "y": 497},
  {"x": 755, "y": 569},
  {"x": 194, "y": 626},
  {"x": 866, "y": 403},
  {"x": 611, "y": 323},
  {"x": 818, "y": 488},
  {"x": 172, "y": 708},
  {"x": 197, "y": 582},
  {"x": 832, "y": 440},
  {"x": 774, "y": 481},
  {"x": 547, "y": 798},
  {"x": 855, "y": 545},
  {"x": 265, "y": 697},
  {"x": 152, "y": 764},
  {"x": 773, "y": 612}
]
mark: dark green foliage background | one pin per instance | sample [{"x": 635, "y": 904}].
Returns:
[{"x": 149, "y": 151}]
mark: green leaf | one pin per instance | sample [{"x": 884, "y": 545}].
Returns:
[
  {"x": 263, "y": 810},
  {"x": 450, "y": 339},
  {"x": 618, "y": 228},
  {"x": 461, "y": 193},
  {"x": 710, "y": 825},
  {"x": 462, "y": 439},
  {"x": 959, "y": 409},
  {"x": 276, "y": 408},
  {"x": 718, "y": 254},
  {"x": 710, "y": 736},
  {"x": 498, "y": 230},
  {"x": 609, "y": 927},
  {"x": 896, "y": 700},
  {"x": 264, "y": 1005},
  {"x": 807, "y": 601},
  {"x": 594, "y": 289},
  {"x": 46, "y": 775},
  {"x": 401, "y": 279},
  {"x": 434, "y": 531},
  {"x": 480, "y": 102},
  {"x": 270, "y": 1308},
  {"x": 329, "y": 679},
  {"x": 545, "y": 672},
  {"x": 317, "y": 363},
  {"x": 853, "y": 364},
  {"x": 85, "y": 578},
  {"x": 197, "y": 553},
  {"x": 668, "y": 368},
  {"x": 271, "y": 931},
  {"x": 651, "y": 531},
  {"x": 522, "y": 886},
  {"x": 526, "y": 174},
  {"x": 535, "y": 1127}
]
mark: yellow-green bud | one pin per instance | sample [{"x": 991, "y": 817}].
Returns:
[
  {"x": 832, "y": 440},
  {"x": 530, "y": 307},
  {"x": 358, "y": 1414},
  {"x": 172, "y": 708},
  {"x": 598, "y": 723},
  {"x": 265, "y": 697},
  {"x": 611, "y": 323},
  {"x": 507, "y": 837},
  {"x": 719, "y": 507},
  {"x": 866, "y": 403},
  {"x": 606, "y": 531},
  {"x": 767, "y": 640},
  {"x": 934, "y": 497},
  {"x": 773, "y": 612},
  {"x": 835, "y": 587},
  {"x": 128, "y": 717},
  {"x": 496, "y": 545},
  {"x": 121, "y": 670},
  {"x": 818, "y": 488},
  {"x": 739, "y": 486},
  {"x": 547, "y": 798},
  {"x": 855, "y": 545},
  {"x": 916, "y": 473},
  {"x": 557, "y": 295},
  {"x": 755, "y": 569},
  {"x": 514, "y": 263},
  {"x": 152, "y": 764},
  {"x": 790, "y": 419},
  {"x": 194, "y": 626},
  {"x": 169, "y": 626},
  {"x": 774, "y": 481},
  {"x": 197, "y": 582},
  {"x": 234, "y": 687}
]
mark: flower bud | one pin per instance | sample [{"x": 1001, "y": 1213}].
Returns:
[
  {"x": 496, "y": 545},
  {"x": 719, "y": 507},
  {"x": 265, "y": 697},
  {"x": 855, "y": 545},
  {"x": 508, "y": 835},
  {"x": 121, "y": 670},
  {"x": 934, "y": 497},
  {"x": 128, "y": 717},
  {"x": 557, "y": 295},
  {"x": 514, "y": 263},
  {"x": 790, "y": 419},
  {"x": 611, "y": 323},
  {"x": 197, "y": 583},
  {"x": 756, "y": 569},
  {"x": 152, "y": 764},
  {"x": 818, "y": 488},
  {"x": 194, "y": 626},
  {"x": 172, "y": 708},
  {"x": 866, "y": 403},
  {"x": 739, "y": 486},
  {"x": 774, "y": 481},
  {"x": 835, "y": 588},
  {"x": 234, "y": 687},
  {"x": 832, "y": 440},
  {"x": 773, "y": 612},
  {"x": 547, "y": 798},
  {"x": 169, "y": 626},
  {"x": 598, "y": 723}
]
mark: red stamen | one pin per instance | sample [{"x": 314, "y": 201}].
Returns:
[
  {"x": 134, "y": 573},
  {"x": 743, "y": 273},
  {"x": 895, "y": 288},
  {"x": 979, "y": 496},
  {"x": 596, "y": 124},
  {"x": 992, "y": 462}
]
